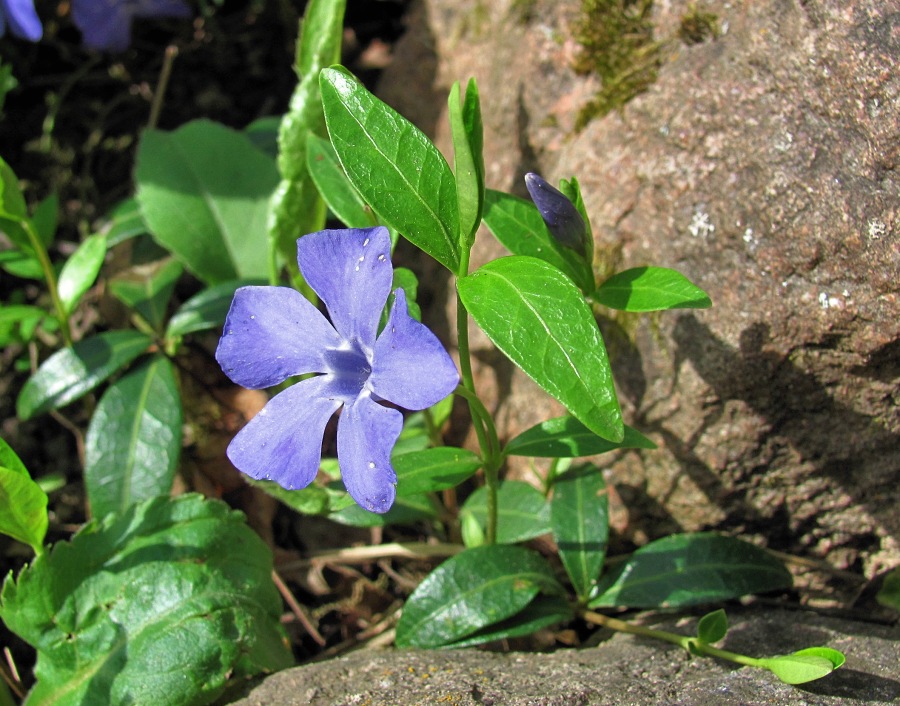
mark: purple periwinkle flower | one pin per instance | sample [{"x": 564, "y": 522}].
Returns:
[
  {"x": 562, "y": 218},
  {"x": 106, "y": 24},
  {"x": 22, "y": 19},
  {"x": 273, "y": 333}
]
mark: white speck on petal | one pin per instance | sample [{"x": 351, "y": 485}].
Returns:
[
  {"x": 365, "y": 242},
  {"x": 252, "y": 316},
  {"x": 381, "y": 258},
  {"x": 371, "y": 464}
]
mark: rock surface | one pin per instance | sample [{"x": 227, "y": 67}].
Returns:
[
  {"x": 622, "y": 671},
  {"x": 763, "y": 165}
]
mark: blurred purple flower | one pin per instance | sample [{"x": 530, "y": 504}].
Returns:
[
  {"x": 562, "y": 218},
  {"x": 106, "y": 24},
  {"x": 22, "y": 19},
  {"x": 273, "y": 333}
]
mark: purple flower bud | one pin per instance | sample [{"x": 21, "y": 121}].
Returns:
[{"x": 562, "y": 218}]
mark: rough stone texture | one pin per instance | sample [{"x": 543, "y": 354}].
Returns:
[
  {"x": 763, "y": 165},
  {"x": 623, "y": 671}
]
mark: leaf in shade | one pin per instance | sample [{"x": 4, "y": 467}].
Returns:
[
  {"x": 541, "y": 613},
  {"x": 206, "y": 309},
  {"x": 566, "y": 437},
  {"x": 148, "y": 288},
  {"x": 328, "y": 175},
  {"x": 522, "y": 511},
  {"x": 433, "y": 470},
  {"x": 651, "y": 289}
]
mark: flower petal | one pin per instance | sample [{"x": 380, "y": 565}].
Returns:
[
  {"x": 103, "y": 25},
  {"x": 350, "y": 269},
  {"x": 272, "y": 333},
  {"x": 366, "y": 436},
  {"x": 410, "y": 367},
  {"x": 23, "y": 20},
  {"x": 284, "y": 441}
]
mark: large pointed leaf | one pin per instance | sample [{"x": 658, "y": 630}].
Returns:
[
  {"x": 566, "y": 437},
  {"x": 468, "y": 158},
  {"x": 204, "y": 192},
  {"x": 539, "y": 319},
  {"x": 651, "y": 289},
  {"x": 472, "y": 590},
  {"x": 542, "y": 612},
  {"x": 340, "y": 195},
  {"x": 70, "y": 373},
  {"x": 579, "y": 516},
  {"x": 158, "y": 606},
  {"x": 134, "y": 439},
  {"x": 688, "y": 569},
  {"x": 433, "y": 469},
  {"x": 394, "y": 166}
]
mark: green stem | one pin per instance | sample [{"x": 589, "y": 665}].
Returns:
[
  {"x": 485, "y": 430},
  {"x": 691, "y": 644},
  {"x": 47, "y": 268}
]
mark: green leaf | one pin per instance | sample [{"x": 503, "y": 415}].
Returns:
[
  {"x": 394, "y": 166},
  {"x": 406, "y": 280},
  {"x": 311, "y": 500},
  {"x": 12, "y": 202},
  {"x": 432, "y": 470},
  {"x": 263, "y": 133},
  {"x": 80, "y": 271},
  {"x": 690, "y": 569},
  {"x": 134, "y": 439},
  {"x": 712, "y": 627},
  {"x": 889, "y": 594},
  {"x": 579, "y": 516},
  {"x": 472, "y": 590},
  {"x": 522, "y": 511},
  {"x": 204, "y": 191},
  {"x": 23, "y": 505},
  {"x": 468, "y": 156},
  {"x": 148, "y": 288},
  {"x": 651, "y": 289},
  {"x": 804, "y": 665},
  {"x": 406, "y": 510},
  {"x": 72, "y": 372},
  {"x": 518, "y": 225},
  {"x": 566, "y": 437},
  {"x": 296, "y": 207},
  {"x": 571, "y": 189},
  {"x": 539, "y": 319},
  {"x": 328, "y": 175},
  {"x": 542, "y": 612},
  {"x": 45, "y": 219},
  {"x": 158, "y": 606},
  {"x": 125, "y": 222},
  {"x": 206, "y": 309}
]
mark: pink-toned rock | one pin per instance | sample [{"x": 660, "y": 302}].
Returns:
[{"x": 763, "y": 165}]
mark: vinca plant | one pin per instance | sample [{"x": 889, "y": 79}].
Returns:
[{"x": 166, "y": 599}]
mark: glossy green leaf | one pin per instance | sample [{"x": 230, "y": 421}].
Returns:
[
  {"x": 148, "y": 288},
  {"x": 207, "y": 309},
  {"x": 579, "y": 516},
  {"x": 571, "y": 189},
  {"x": 690, "y": 569},
  {"x": 19, "y": 263},
  {"x": 328, "y": 175},
  {"x": 296, "y": 206},
  {"x": 134, "y": 439},
  {"x": 522, "y": 511},
  {"x": 804, "y": 665},
  {"x": 311, "y": 500},
  {"x": 23, "y": 505},
  {"x": 158, "y": 606},
  {"x": 712, "y": 627},
  {"x": 394, "y": 166},
  {"x": 125, "y": 222},
  {"x": 406, "y": 510},
  {"x": 71, "y": 372},
  {"x": 468, "y": 155},
  {"x": 651, "y": 289},
  {"x": 518, "y": 225},
  {"x": 434, "y": 469},
  {"x": 12, "y": 202},
  {"x": 566, "y": 437},
  {"x": 204, "y": 192},
  {"x": 80, "y": 271},
  {"x": 539, "y": 319},
  {"x": 470, "y": 591},
  {"x": 541, "y": 613},
  {"x": 406, "y": 280},
  {"x": 45, "y": 219}
]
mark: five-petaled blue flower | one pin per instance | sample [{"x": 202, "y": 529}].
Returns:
[
  {"x": 23, "y": 20},
  {"x": 273, "y": 333},
  {"x": 106, "y": 24}
]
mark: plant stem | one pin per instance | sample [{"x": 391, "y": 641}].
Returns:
[
  {"x": 485, "y": 429},
  {"x": 691, "y": 644},
  {"x": 47, "y": 268}
]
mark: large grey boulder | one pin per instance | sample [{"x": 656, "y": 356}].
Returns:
[
  {"x": 763, "y": 165},
  {"x": 622, "y": 671}
]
